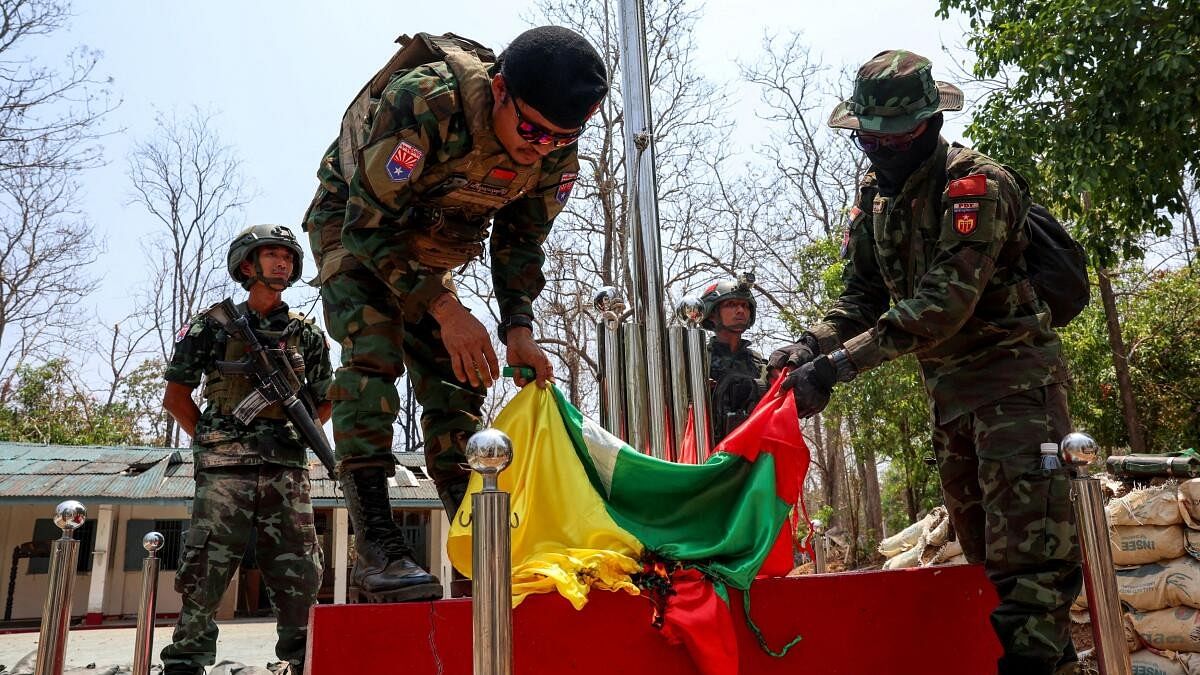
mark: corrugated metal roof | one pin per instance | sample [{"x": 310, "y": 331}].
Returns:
[{"x": 53, "y": 472}]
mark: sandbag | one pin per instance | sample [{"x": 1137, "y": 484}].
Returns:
[
  {"x": 1175, "y": 628},
  {"x": 1191, "y": 542},
  {"x": 903, "y": 540},
  {"x": 1145, "y": 544},
  {"x": 1157, "y": 505},
  {"x": 904, "y": 560},
  {"x": 1146, "y": 662},
  {"x": 1188, "y": 495},
  {"x": 937, "y": 555},
  {"x": 1158, "y": 585}
]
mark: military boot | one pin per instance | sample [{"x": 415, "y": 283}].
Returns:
[{"x": 384, "y": 568}]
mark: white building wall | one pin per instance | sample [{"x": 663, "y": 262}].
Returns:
[{"x": 122, "y": 589}]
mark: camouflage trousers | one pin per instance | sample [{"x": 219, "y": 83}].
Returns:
[
  {"x": 378, "y": 346},
  {"x": 1016, "y": 519},
  {"x": 230, "y": 503}
]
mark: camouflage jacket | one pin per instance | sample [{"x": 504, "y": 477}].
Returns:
[
  {"x": 430, "y": 165},
  {"x": 936, "y": 271},
  {"x": 221, "y": 440},
  {"x": 722, "y": 360},
  {"x": 732, "y": 400}
]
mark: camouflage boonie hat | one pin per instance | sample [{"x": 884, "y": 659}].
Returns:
[{"x": 893, "y": 93}]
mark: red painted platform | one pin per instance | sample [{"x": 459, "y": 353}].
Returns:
[{"x": 905, "y": 622}]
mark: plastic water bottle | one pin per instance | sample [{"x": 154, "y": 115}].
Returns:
[{"x": 1050, "y": 459}]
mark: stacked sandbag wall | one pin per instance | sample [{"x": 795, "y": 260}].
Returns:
[
  {"x": 1155, "y": 537},
  {"x": 925, "y": 543}
]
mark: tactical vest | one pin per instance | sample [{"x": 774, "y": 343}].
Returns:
[
  {"x": 225, "y": 391},
  {"x": 453, "y": 201}
]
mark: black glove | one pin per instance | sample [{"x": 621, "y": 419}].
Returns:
[
  {"x": 795, "y": 355},
  {"x": 811, "y": 384}
]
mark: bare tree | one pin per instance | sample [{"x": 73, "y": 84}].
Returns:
[
  {"x": 190, "y": 183},
  {"x": 49, "y": 127},
  {"x": 45, "y": 248},
  {"x": 49, "y": 118}
]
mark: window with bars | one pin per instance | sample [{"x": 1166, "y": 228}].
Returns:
[{"x": 172, "y": 532}]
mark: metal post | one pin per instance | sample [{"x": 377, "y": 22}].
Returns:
[
  {"x": 676, "y": 339},
  {"x": 1104, "y": 604},
  {"x": 636, "y": 385},
  {"x": 691, "y": 310},
  {"x": 143, "y": 643},
  {"x": 611, "y": 306},
  {"x": 56, "y": 614},
  {"x": 489, "y": 452},
  {"x": 818, "y": 546},
  {"x": 646, "y": 252}
]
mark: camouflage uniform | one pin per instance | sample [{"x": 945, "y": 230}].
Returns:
[
  {"x": 936, "y": 270},
  {"x": 248, "y": 477},
  {"x": 738, "y": 382},
  {"x": 430, "y": 177}
]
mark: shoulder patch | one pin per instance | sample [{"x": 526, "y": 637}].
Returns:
[
  {"x": 974, "y": 185},
  {"x": 565, "y": 183},
  {"x": 402, "y": 161},
  {"x": 182, "y": 332}
]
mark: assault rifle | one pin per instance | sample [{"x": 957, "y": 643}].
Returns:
[{"x": 276, "y": 382}]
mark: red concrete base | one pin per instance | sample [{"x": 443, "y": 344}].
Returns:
[
  {"x": 907, "y": 622},
  {"x": 93, "y": 619}
]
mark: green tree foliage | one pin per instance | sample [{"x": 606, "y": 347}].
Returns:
[
  {"x": 1092, "y": 97},
  {"x": 1160, "y": 319},
  {"x": 45, "y": 406}
]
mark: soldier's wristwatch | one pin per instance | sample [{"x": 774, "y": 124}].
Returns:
[
  {"x": 516, "y": 320},
  {"x": 842, "y": 365}
]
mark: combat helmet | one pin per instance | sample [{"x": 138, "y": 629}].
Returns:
[
  {"x": 721, "y": 291},
  {"x": 256, "y": 236}
]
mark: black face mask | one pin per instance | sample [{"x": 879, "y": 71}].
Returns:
[{"x": 893, "y": 167}]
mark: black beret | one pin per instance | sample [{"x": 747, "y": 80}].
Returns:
[{"x": 557, "y": 72}]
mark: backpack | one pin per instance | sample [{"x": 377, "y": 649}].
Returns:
[
  {"x": 1057, "y": 266},
  {"x": 1056, "y": 263},
  {"x": 414, "y": 51}
]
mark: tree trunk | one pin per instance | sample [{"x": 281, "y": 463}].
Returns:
[
  {"x": 868, "y": 478},
  {"x": 1120, "y": 356}
]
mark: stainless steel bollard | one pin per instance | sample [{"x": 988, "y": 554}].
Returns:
[
  {"x": 143, "y": 644},
  {"x": 56, "y": 614},
  {"x": 611, "y": 306},
  {"x": 489, "y": 452},
  {"x": 1104, "y": 604},
  {"x": 691, "y": 310},
  {"x": 818, "y": 546}
]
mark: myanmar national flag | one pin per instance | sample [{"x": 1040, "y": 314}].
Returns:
[{"x": 591, "y": 512}]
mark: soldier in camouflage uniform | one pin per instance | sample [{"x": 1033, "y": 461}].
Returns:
[
  {"x": 934, "y": 268},
  {"x": 249, "y": 477},
  {"x": 735, "y": 370},
  {"x": 432, "y": 153}
]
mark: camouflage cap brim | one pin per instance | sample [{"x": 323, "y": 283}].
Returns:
[{"x": 950, "y": 97}]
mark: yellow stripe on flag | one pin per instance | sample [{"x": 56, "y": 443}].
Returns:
[{"x": 564, "y": 538}]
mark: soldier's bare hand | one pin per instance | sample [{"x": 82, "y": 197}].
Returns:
[
  {"x": 469, "y": 345},
  {"x": 524, "y": 351}
]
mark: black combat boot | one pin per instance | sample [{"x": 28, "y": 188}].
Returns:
[{"x": 384, "y": 569}]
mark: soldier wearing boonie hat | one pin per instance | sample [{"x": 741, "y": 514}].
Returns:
[
  {"x": 934, "y": 267},
  {"x": 445, "y": 142}
]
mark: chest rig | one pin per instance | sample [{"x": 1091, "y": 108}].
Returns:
[
  {"x": 224, "y": 391},
  {"x": 456, "y": 195}
]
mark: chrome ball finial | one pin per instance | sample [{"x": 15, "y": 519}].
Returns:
[
  {"x": 691, "y": 310},
  {"x": 489, "y": 451},
  {"x": 1079, "y": 449},
  {"x": 69, "y": 515},
  {"x": 153, "y": 541}
]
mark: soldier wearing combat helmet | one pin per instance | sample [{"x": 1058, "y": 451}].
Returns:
[
  {"x": 935, "y": 268},
  {"x": 735, "y": 370},
  {"x": 443, "y": 144},
  {"x": 250, "y": 476}
]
